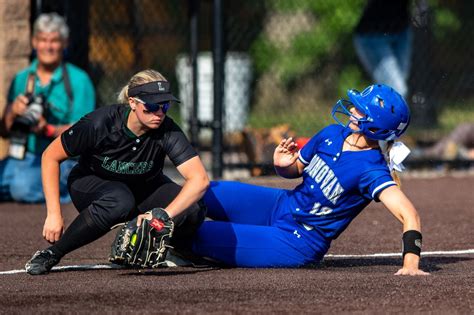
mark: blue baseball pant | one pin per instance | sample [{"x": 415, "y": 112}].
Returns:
[{"x": 249, "y": 229}]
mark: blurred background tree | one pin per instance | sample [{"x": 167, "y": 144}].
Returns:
[
  {"x": 302, "y": 53},
  {"x": 305, "y": 52},
  {"x": 305, "y": 60}
]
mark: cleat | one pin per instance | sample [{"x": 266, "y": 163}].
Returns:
[
  {"x": 185, "y": 258},
  {"x": 42, "y": 262},
  {"x": 174, "y": 260}
]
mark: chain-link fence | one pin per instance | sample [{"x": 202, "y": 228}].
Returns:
[{"x": 288, "y": 62}]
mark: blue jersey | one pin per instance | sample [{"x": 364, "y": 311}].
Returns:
[
  {"x": 270, "y": 227},
  {"x": 336, "y": 185}
]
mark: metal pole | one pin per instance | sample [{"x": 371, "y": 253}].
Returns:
[
  {"x": 137, "y": 28},
  {"x": 424, "y": 108},
  {"x": 218, "y": 63},
  {"x": 193, "y": 23},
  {"x": 77, "y": 17},
  {"x": 38, "y": 8}
]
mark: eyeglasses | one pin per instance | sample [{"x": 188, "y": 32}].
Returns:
[{"x": 155, "y": 107}]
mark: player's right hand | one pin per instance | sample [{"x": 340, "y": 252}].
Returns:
[
  {"x": 53, "y": 228},
  {"x": 286, "y": 153}
]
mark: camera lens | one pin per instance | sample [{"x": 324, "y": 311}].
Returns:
[{"x": 33, "y": 112}]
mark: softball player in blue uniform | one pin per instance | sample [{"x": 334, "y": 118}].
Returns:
[{"x": 343, "y": 170}]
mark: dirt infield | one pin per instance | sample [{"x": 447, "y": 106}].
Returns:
[{"x": 354, "y": 284}]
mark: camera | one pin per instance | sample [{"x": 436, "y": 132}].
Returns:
[
  {"x": 30, "y": 118},
  {"x": 23, "y": 124}
]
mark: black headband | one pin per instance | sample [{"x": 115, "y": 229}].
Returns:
[
  {"x": 153, "y": 92},
  {"x": 155, "y": 87}
]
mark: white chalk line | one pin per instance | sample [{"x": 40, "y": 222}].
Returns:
[
  {"x": 72, "y": 267},
  {"x": 376, "y": 255},
  {"x": 433, "y": 253}
]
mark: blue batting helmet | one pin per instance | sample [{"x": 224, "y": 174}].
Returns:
[{"x": 386, "y": 114}]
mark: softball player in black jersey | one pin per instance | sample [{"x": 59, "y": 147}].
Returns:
[{"x": 121, "y": 150}]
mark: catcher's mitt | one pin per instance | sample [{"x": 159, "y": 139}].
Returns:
[{"x": 143, "y": 246}]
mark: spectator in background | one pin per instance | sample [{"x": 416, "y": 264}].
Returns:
[
  {"x": 459, "y": 144},
  {"x": 383, "y": 42},
  {"x": 44, "y": 99}
]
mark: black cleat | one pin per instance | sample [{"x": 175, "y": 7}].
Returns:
[
  {"x": 42, "y": 262},
  {"x": 185, "y": 258},
  {"x": 173, "y": 259}
]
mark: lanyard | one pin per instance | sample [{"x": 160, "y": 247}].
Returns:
[{"x": 31, "y": 84}]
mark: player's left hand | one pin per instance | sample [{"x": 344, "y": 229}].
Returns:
[
  {"x": 143, "y": 241},
  {"x": 143, "y": 216},
  {"x": 411, "y": 272},
  {"x": 411, "y": 263}
]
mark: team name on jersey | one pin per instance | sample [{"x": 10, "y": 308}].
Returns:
[
  {"x": 325, "y": 178},
  {"x": 121, "y": 167}
]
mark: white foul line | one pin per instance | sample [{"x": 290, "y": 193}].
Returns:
[
  {"x": 73, "y": 267},
  {"x": 433, "y": 253},
  {"x": 102, "y": 267}
]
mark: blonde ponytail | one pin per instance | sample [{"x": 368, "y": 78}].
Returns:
[{"x": 139, "y": 78}]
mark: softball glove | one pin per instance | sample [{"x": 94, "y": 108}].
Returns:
[{"x": 143, "y": 246}]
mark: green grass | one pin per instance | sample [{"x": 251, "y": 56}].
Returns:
[
  {"x": 454, "y": 115},
  {"x": 306, "y": 123},
  {"x": 449, "y": 117},
  {"x": 305, "y": 117}
]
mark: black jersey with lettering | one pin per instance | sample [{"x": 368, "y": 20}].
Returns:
[{"x": 108, "y": 149}]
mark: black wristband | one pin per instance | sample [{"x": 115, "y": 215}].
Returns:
[{"x": 412, "y": 242}]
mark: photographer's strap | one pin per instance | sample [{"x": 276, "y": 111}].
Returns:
[
  {"x": 30, "y": 84},
  {"x": 67, "y": 84},
  {"x": 67, "y": 87}
]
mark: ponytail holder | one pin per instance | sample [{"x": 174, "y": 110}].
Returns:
[{"x": 397, "y": 154}]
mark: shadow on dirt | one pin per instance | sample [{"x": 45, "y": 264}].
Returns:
[
  {"x": 168, "y": 271},
  {"x": 429, "y": 264}
]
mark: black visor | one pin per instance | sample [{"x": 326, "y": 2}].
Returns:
[{"x": 153, "y": 92}]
